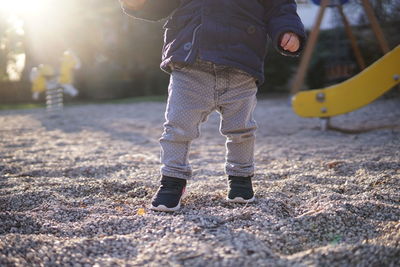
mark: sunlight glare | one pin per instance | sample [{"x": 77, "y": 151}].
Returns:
[{"x": 28, "y": 7}]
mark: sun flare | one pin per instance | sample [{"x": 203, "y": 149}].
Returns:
[{"x": 26, "y": 7}]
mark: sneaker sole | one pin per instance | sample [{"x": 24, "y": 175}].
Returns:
[
  {"x": 241, "y": 200},
  {"x": 164, "y": 208}
]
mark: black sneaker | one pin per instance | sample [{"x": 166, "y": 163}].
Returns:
[
  {"x": 169, "y": 194},
  {"x": 240, "y": 189}
]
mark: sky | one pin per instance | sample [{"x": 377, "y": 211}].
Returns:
[{"x": 308, "y": 14}]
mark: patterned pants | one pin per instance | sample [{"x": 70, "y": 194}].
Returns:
[{"x": 194, "y": 92}]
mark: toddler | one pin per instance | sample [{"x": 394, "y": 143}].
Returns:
[{"x": 214, "y": 51}]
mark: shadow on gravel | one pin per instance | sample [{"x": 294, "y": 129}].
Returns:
[
  {"x": 18, "y": 223},
  {"x": 321, "y": 181},
  {"x": 104, "y": 190},
  {"x": 273, "y": 176},
  {"x": 6, "y": 170},
  {"x": 326, "y": 236},
  {"x": 86, "y": 171},
  {"x": 297, "y": 188},
  {"x": 347, "y": 224},
  {"x": 5, "y": 184},
  {"x": 379, "y": 166},
  {"x": 277, "y": 207},
  {"x": 357, "y": 255},
  {"x": 23, "y": 201},
  {"x": 37, "y": 251},
  {"x": 350, "y": 169},
  {"x": 98, "y": 226},
  {"x": 68, "y": 215},
  {"x": 128, "y": 130},
  {"x": 374, "y": 211},
  {"x": 117, "y": 247}
]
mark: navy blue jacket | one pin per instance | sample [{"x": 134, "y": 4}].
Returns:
[{"x": 227, "y": 32}]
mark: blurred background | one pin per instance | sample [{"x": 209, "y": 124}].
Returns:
[{"x": 120, "y": 56}]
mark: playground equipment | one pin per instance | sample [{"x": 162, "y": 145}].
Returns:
[
  {"x": 355, "y": 92},
  {"x": 39, "y": 77},
  {"x": 69, "y": 63},
  {"x": 352, "y": 94},
  {"x": 45, "y": 79}
]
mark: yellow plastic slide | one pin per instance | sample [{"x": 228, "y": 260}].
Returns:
[{"x": 351, "y": 94}]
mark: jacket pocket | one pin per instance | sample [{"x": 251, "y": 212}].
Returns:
[{"x": 176, "y": 35}]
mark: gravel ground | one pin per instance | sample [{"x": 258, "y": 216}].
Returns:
[{"x": 71, "y": 189}]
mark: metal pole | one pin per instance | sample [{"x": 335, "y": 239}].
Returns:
[
  {"x": 325, "y": 123},
  {"x": 353, "y": 42},
  {"x": 305, "y": 60},
  {"x": 376, "y": 27}
]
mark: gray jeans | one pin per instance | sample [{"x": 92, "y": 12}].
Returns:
[{"x": 194, "y": 92}]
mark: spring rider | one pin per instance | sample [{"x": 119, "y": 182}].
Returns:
[{"x": 45, "y": 79}]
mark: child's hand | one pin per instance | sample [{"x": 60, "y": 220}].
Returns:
[
  {"x": 290, "y": 42},
  {"x": 133, "y": 4}
]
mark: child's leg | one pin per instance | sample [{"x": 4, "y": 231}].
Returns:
[
  {"x": 236, "y": 106},
  {"x": 190, "y": 101}
]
